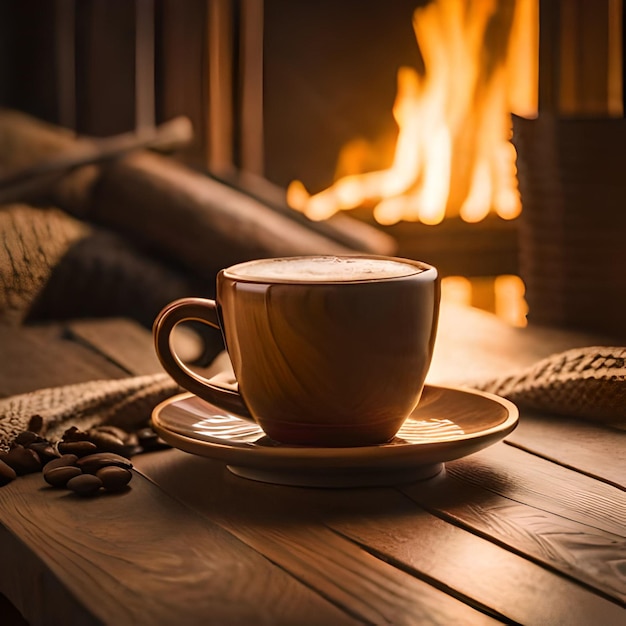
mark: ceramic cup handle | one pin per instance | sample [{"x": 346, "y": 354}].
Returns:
[{"x": 198, "y": 310}]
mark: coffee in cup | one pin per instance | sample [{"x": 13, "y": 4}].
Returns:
[{"x": 326, "y": 350}]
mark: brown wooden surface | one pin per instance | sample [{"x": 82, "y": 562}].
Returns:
[{"x": 531, "y": 530}]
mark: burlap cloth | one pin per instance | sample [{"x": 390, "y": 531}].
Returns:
[{"x": 588, "y": 383}]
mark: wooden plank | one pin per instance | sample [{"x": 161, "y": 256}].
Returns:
[
  {"x": 265, "y": 518},
  {"x": 251, "y": 87},
  {"x": 181, "y": 76},
  {"x": 580, "y": 57},
  {"x": 389, "y": 525},
  {"x": 65, "y": 52},
  {"x": 220, "y": 76},
  {"x": 195, "y": 219},
  {"x": 105, "y": 67},
  {"x": 145, "y": 109},
  {"x": 138, "y": 557},
  {"x": 536, "y": 482},
  {"x": 585, "y": 58},
  {"x": 596, "y": 450},
  {"x": 123, "y": 341},
  {"x": 37, "y": 357},
  {"x": 554, "y": 516},
  {"x": 27, "y": 57},
  {"x": 33, "y": 591}
]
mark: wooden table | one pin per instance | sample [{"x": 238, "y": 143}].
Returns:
[{"x": 531, "y": 530}]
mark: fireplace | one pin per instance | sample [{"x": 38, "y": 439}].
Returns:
[{"x": 278, "y": 90}]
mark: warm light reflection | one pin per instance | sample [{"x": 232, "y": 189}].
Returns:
[
  {"x": 509, "y": 303},
  {"x": 452, "y": 153},
  {"x": 502, "y": 295},
  {"x": 457, "y": 290}
]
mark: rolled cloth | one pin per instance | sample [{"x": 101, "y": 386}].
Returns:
[{"x": 588, "y": 383}]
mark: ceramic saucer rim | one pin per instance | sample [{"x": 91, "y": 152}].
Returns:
[{"x": 249, "y": 451}]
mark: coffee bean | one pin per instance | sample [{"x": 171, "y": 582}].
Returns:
[
  {"x": 45, "y": 450},
  {"x": 107, "y": 442},
  {"x": 132, "y": 446},
  {"x": 150, "y": 441},
  {"x": 112, "y": 430},
  {"x": 83, "y": 461},
  {"x": 63, "y": 461},
  {"x": 59, "y": 476},
  {"x": 23, "y": 460},
  {"x": 114, "y": 478},
  {"x": 79, "y": 448},
  {"x": 7, "y": 474},
  {"x": 84, "y": 485},
  {"x": 75, "y": 434},
  {"x": 27, "y": 437},
  {"x": 35, "y": 423},
  {"x": 131, "y": 440},
  {"x": 92, "y": 463}
]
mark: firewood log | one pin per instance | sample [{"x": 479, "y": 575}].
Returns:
[{"x": 177, "y": 213}]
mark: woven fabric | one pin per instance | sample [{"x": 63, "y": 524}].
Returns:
[
  {"x": 589, "y": 383},
  {"x": 585, "y": 382},
  {"x": 126, "y": 403}
]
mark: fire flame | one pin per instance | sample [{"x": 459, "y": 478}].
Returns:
[{"x": 453, "y": 120}]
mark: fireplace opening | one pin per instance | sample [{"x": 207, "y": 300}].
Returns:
[
  {"x": 397, "y": 114},
  {"x": 451, "y": 152}
]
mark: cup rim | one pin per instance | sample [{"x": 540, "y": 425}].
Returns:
[{"x": 426, "y": 271}]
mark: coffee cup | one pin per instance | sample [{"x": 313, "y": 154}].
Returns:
[{"x": 326, "y": 350}]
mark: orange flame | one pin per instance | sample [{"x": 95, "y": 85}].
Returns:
[{"x": 459, "y": 106}]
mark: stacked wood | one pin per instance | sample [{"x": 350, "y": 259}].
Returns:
[
  {"x": 103, "y": 228},
  {"x": 202, "y": 223},
  {"x": 166, "y": 207}
]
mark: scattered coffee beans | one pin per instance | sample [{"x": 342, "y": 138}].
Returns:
[
  {"x": 85, "y": 462},
  {"x": 79, "y": 448},
  {"x": 78, "y": 473},
  {"x": 23, "y": 460},
  {"x": 28, "y": 437},
  {"x": 92, "y": 463},
  {"x": 59, "y": 476},
  {"x": 114, "y": 478},
  {"x": 61, "y": 461},
  {"x": 84, "y": 485},
  {"x": 45, "y": 450}
]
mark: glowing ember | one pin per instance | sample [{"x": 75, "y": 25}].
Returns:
[{"x": 453, "y": 121}]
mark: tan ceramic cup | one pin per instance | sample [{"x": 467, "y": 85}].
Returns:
[{"x": 327, "y": 351}]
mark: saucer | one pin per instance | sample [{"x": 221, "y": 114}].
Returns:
[{"x": 449, "y": 423}]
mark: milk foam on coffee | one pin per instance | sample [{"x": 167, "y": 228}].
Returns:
[{"x": 323, "y": 269}]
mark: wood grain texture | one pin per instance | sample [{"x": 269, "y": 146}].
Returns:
[
  {"x": 124, "y": 342},
  {"x": 502, "y": 535},
  {"x": 195, "y": 219},
  {"x": 140, "y": 557},
  {"x": 599, "y": 451},
  {"x": 552, "y": 515},
  {"x": 265, "y": 518},
  {"x": 482, "y": 573},
  {"x": 42, "y": 356},
  {"x": 105, "y": 67}
]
